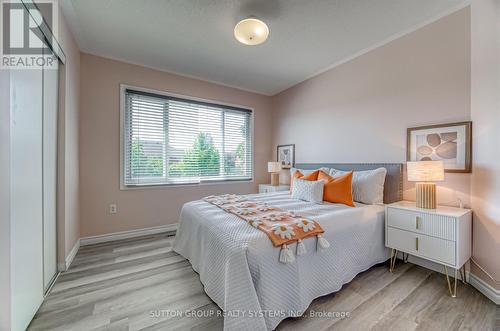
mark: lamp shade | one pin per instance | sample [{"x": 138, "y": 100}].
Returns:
[
  {"x": 273, "y": 166},
  {"x": 425, "y": 171}
]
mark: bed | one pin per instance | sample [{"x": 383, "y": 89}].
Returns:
[{"x": 239, "y": 266}]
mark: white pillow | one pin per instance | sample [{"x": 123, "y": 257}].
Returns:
[
  {"x": 308, "y": 190},
  {"x": 367, "y": 185}
]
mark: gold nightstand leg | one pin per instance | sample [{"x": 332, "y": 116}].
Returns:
[
  {"x": 392, "y": 262},
  {"x": 453, "y": 293},
  {"x": 462, "y": 274},
  {"x": 405, "y": 257}
]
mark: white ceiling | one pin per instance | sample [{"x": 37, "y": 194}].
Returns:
[{"x": 195, "y": 37}]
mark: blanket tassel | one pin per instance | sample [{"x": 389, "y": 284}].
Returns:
[
  {"x": 301, "y": 248},
  {"x": 322, "y": 242},
  {"x": 286, "y": 255}
]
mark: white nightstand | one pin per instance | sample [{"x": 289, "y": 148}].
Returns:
[
  {"x": 441, "y": 235},
  {"x": 266, "y": 188}
]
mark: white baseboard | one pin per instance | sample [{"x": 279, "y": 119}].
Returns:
[
  {"x": 127, "y": 234},
  {"x": 63, "y": 266},
  {"x": 69, "y": 259},
  {"x": 473, "y": 280},
  {"x": 485, "y": 288}
]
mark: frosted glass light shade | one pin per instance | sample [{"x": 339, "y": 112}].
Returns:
[
  {"x": 425, "y": 171},
  {"x": 273, "y": 166},
  {"x": 251, "y": 31}
]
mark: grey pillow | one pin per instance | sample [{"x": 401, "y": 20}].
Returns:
[
  {"x": 308, "y": 190},
  {"x": 367, "y": 185}
]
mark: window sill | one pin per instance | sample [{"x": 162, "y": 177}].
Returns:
[{"x": 180, "y": 185}]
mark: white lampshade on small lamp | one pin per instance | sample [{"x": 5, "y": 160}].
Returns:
[
  {"x": 274, "y": 168},
  {"x": 425, "y": 173}
]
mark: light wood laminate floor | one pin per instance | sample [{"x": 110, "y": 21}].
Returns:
[{"x": 126, "y": 284}]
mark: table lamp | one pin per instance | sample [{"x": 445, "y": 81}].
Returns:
[
  {"x": 274, "y": 168},
  {"x": 425, "y": 173}
]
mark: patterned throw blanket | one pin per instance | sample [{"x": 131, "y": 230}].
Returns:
[{"x": 282, "y": 227}]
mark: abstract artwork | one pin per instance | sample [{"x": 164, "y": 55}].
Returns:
[
  {"x": 286, "y": 155},
  {"x": 450, "y": 143}
]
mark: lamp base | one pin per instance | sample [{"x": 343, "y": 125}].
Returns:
[
  {"x": 426, "y": 195},
  {"x": 275, "y": 179}
]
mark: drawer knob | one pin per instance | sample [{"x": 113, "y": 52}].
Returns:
[{"x": 416, "y": 244}]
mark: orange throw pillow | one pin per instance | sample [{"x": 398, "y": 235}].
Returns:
[
  {"x": 337, "y": 189},
  {"x": 312, "y": 176}
]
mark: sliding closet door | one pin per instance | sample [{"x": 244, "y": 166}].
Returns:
[
  {"x": 26, "y": 195},
  {"x": 50, "y": 88}
]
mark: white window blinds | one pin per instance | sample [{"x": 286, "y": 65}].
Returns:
[{"x": 170, "y": 140}]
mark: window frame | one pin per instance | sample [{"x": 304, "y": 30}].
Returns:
[{"x": 123, "y": 112}]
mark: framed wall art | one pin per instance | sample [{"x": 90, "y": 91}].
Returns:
[
  {"x": 286, "y": 155},
  {"x": 450, "y": 143}
]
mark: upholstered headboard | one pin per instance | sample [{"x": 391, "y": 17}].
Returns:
[{"x": 393, "y": 187}]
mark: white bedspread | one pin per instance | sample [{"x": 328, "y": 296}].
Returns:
[{"x": 239, "y": 266}]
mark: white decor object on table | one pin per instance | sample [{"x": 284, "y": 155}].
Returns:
[
  {"x": 274, "y": 168},
  {"x": 267, "y": 188},
  {"x": 441, "y": 235}
]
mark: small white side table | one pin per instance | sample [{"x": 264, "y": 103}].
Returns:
[
  {"x": 441, "y": 235},
  {"x": 266, "y": 188}
]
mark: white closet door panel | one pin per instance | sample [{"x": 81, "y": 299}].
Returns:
[
  {"x": 50, "y": 87},
  {"x": 26, "y": 195}
]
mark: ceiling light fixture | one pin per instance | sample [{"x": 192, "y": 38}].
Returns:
[{"x": 251, "y": 31}]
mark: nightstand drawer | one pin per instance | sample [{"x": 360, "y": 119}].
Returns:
[
  {"x": 431, "y": 224},
  {"x": 437, "y": 249}
]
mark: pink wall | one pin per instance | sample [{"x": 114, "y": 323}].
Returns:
[
  {"x": 100, "y": 147},
  {"x": 359, "y": 111},
  {"x": 485, "y": 112},
  {"x": 68, "y": 162}
]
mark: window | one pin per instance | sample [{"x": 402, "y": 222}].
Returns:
[{"x": 171, "y": 140}]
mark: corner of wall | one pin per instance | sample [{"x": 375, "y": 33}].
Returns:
[
  {"x": 68, "y": 150},
  {"x": 485, "y": 100}
]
